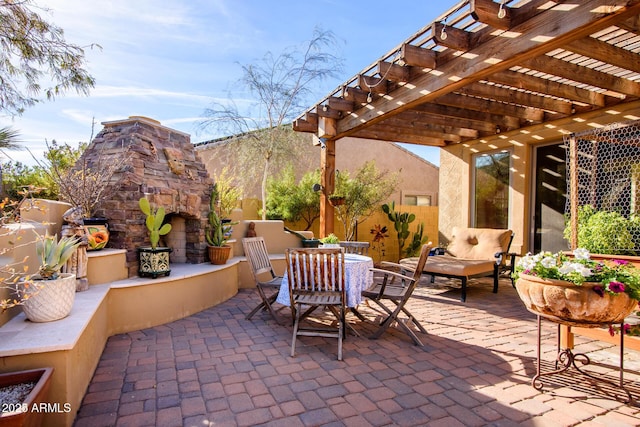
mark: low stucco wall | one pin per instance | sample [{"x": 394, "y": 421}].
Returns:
[
  {"x": 73, "y": 346},
  {"x": 106, "y": 266},
  {"x": 275, "y": 236},
  {"x": 158, "y": 302}
]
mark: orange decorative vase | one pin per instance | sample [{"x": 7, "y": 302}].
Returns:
[{"x": 573, "y": 305}]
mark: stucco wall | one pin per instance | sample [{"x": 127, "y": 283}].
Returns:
[
  {"x": 456, "y": 186},
  {"x": 417, "y": 175}
]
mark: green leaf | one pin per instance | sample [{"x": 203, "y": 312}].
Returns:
[
  {"x": 145, "y": 206},
  {"x": 165, "y": 229}
]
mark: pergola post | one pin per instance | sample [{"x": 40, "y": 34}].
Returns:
[{"x": 327, "y": 180}]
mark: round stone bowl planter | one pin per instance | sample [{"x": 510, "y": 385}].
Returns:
[
  {"x": 573, "y": 305},
  {"x": 54, "y": 299}
]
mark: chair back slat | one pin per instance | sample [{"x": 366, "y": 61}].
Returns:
[
  {"x": 315, "y": 270},
  {"x": 360, "y": 248}
]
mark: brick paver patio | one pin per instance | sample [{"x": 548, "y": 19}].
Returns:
[{"x": 217, "y": 369}]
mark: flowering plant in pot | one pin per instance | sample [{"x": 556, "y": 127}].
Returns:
[{"x": 577, "y": 289}]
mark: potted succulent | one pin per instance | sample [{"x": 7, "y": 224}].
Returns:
[
  {"x": 153, "y": 260},
  {"x": 331, "y": 241},
  {"x": 217, "y": 232},
  {"x": 49, "y": 294}
]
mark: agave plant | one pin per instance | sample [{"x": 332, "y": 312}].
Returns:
[{"x": 54, "y": 253}]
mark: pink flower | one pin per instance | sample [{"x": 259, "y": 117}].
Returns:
[
  {"x": 616, "y": 287},
  {"x": 626, "y": 328},
  {"x": 612, "y": 331},
  {"x": 598, "y": 290},
  {"x": 620, "y": 262}
]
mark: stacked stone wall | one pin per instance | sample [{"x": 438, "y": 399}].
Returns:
[{"x": 161, "y": 164}]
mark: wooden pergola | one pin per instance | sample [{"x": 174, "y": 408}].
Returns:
[{"x": 485, "y": 68}]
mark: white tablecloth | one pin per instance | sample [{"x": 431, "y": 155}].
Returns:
[{"x": 357, "y": 278}]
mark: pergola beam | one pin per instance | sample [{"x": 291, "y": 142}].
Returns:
[
  {"x": 532, "y": 115},
  {"x": 528, "y": 99},
  {"x": 491, "y": 13},
  {"x": 547, "y": 87},
  {"x": 567, "y": 70},
  {"x": 418, "y": 57}
]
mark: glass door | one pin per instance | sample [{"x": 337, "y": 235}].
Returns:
[{"x": 549, "y": 198}]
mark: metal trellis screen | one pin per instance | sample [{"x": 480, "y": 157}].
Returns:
[{"x": 603, "y": 180}]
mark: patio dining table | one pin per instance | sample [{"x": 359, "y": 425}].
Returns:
[{"x": 357, "y": 278}]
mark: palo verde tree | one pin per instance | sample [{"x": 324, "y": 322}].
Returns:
[
  {"x": 362, "y": 194},
  {"x": 35, "y": 59},
  {"x": 281, "y": 87},
  {"x": 291, "y": 201},
  {"x": 36, "y": 63}
]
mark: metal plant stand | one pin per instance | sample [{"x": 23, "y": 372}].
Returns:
[{"x": 566, "y": 359}]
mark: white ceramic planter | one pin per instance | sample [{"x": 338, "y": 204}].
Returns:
[{"x": 54, "y": 299}]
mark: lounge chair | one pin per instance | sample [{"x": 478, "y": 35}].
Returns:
[{"x": 472, "y": 253}]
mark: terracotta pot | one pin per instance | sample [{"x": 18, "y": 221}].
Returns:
[
  {"x": 219, "y": 255},
  {"x": 567, "y": 303},
  {"x": 54, "y": 299},
  {"x": 20, "y": 413}
]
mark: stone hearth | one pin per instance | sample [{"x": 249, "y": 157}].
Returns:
[{"x": 161, "y": 164}]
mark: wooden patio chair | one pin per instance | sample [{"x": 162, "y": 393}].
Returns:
[
  {"x": 267, "y": 282},
  {"x": 397, "y": 288},
  {"x": 316, "y": 278},
  {"x": 360, "y": 248}
]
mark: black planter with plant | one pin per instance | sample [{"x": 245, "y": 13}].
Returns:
[
  {"x": 304, "y": 241},
  {"x": 153, "y": 261}
]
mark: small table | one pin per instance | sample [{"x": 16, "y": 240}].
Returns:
[{"x": 357, "y": 278}]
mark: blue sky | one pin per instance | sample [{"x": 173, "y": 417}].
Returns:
[{"x": 169, "y": 59}]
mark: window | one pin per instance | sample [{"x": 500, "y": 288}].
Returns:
[
  {"x": 412, "y": 200},
  {"x": 492, "y": 180}
]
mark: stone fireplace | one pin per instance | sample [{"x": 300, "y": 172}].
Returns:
[{"x": 161, "y": 164}]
